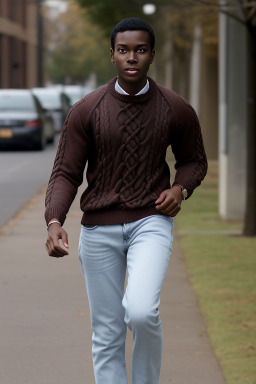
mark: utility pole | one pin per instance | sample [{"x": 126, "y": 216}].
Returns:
[{"x": 40, "y": 46}]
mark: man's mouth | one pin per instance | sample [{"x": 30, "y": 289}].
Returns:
[{"x": 131, "y": 70}]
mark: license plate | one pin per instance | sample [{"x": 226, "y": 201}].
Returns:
[{"x": 5, "y": 133}]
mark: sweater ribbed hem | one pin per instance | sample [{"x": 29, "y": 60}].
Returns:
[{"x": 110, "y": 217}]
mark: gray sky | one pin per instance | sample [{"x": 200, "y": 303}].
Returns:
[{"x": 60, "y": 4}]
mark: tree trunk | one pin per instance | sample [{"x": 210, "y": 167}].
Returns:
[
  {"x": 168, "y": 59},
  {"x": 195, "y": 68},
  {"x": 250, "y": 213}
]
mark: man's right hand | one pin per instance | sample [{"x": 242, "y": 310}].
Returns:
[{"x": 56, "y": 233}]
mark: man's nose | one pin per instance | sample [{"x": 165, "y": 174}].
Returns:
[{"x": 132, "y": 58}]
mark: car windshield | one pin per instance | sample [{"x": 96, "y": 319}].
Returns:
[
  {"x": 74, "y": 96},
  {"x": 49, "y": 100},
  {"x": 14, "y": 102}
]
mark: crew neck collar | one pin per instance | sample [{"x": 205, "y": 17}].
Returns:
[
  {"x": 120, "y": 90},
  {"x": 129, "y": 98}
]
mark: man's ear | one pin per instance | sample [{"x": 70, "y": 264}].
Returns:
[
  {"x": 152, "y": 56},
  {"x": 112, "y": 55}
]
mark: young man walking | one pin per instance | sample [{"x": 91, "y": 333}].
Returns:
[{"x": 121, "y": 131}]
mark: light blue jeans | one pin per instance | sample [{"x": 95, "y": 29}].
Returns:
[{"x": 144, "y": 248}]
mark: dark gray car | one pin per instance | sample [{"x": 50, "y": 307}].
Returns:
[{"x": 23, "y": 121}]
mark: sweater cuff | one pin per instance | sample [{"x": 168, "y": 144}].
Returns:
[{"x": 57, "y": 213}]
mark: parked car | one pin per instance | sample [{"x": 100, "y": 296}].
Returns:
[
  {"x": 55, "y": 103},
  {"x": 74, "y": 92},
  {"x": 22, "y": 120}
]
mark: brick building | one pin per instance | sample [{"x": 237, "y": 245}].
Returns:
[{"x": 18, "y": 43}]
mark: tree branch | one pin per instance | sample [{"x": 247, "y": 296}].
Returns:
[
  {"x": 251, "y": 14},
  {"x": 249, "y": 5},
  {"x": 237, "y": 18}
]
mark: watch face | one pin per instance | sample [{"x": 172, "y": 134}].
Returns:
[{"x": 184, "y": 193}]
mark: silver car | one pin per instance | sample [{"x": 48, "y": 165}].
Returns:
[{"x": 55, "y": 103}]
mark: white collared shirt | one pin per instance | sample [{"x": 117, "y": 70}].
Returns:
[{"x": 122, "y": 91}]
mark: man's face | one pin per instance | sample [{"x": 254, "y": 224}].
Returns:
[{"x": 132, "y": 57}]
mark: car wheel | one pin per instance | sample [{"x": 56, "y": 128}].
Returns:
[
  {"x": 51, "y": 140},
  {"x": 41, "y": 144}
]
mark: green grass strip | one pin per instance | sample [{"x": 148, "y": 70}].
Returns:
[{"x": 222, "y": 269}]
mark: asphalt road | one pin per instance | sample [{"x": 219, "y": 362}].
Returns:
[{"x": 22, "y": 174}]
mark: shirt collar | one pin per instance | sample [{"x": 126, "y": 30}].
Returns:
[{"x": 122, "y": 91}]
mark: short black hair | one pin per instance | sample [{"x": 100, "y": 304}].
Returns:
[{"x": 133, "y": 24}]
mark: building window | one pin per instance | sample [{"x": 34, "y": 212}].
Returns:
[
  {"x": 24, "y": 64},
  {"x": 14, "y": 80},
  {"x": 14, "y": 10},
  {"x": 23, "y": 11}
]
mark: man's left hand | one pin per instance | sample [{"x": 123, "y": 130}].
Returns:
[{"x": 169, "y": 201}]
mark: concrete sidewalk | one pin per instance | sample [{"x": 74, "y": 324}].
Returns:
[{"x": 45, "y": 324}]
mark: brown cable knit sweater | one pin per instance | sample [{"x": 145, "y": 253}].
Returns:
[{"x": 124, "y": 140}]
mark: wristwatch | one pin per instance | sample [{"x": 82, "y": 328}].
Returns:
[{"x": 184, "y": 192}]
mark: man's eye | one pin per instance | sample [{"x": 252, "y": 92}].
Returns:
[
  {"x": 141, "y": 50},
  {"x": 121, "y": 50}
]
